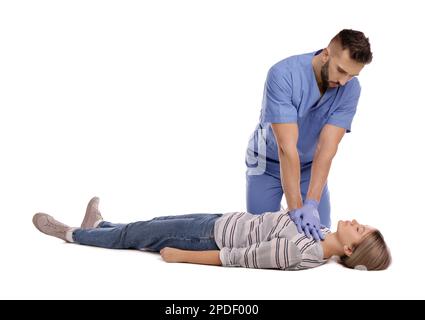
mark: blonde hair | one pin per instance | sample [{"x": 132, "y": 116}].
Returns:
[{"x": 370, "y": 254}]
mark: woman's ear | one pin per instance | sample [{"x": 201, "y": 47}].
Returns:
[{"x": 348, "y": 251}]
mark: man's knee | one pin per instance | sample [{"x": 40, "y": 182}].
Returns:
[
  {"x": 325, "y": 209},
  {"x": 263, "y": 195}
]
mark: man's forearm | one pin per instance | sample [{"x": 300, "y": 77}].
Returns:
[
  {"x": 319, "y": 172},
  {"x": 290, "y": 177}
]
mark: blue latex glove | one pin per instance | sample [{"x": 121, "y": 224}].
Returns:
[{"x": 307, "y": 219}]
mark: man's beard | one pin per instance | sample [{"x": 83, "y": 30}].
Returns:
[{"x": 324, "y": 73}]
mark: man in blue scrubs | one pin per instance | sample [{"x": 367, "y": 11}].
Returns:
[{"x": 308, "y": 105}]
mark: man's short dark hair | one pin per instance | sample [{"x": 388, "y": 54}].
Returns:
[{"x": 357, "y": 44}]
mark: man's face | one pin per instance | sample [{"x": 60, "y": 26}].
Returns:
[{"x": 339, "y": 69}]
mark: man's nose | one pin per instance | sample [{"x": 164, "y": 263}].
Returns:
[{"x": 344, "y": 80}]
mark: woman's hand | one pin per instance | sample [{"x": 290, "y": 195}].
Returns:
[{"x": 172, "y": 254}]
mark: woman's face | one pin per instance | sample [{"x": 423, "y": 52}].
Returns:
[{"x": 351, "y": 232}]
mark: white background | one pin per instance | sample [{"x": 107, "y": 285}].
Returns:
[{"x": 149, "y": 105}]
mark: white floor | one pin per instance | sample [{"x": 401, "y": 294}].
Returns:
[
  {"x": 40, "y": 267},
  {"x": 150, "y": 105}
]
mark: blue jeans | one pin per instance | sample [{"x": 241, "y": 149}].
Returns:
[{"x": 188, "y": 232}]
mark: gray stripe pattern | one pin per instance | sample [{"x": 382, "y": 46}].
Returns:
[{"x": 270, "y": 241}]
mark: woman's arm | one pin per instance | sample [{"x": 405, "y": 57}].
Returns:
[{"x": 210, "y": 257}]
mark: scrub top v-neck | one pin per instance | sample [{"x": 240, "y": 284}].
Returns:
[{"x": 291, "y": 95}]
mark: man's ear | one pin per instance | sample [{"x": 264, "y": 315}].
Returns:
[
  {"x": 348, "y": 251},
  {"x": 326, "y": 55}
]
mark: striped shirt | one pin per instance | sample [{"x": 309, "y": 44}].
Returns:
[{"x": 270, "y": 241}]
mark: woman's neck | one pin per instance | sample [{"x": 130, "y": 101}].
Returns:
[{"x": 331, "y": 246}]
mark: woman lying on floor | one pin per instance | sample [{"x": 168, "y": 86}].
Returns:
[{"x": 235, "y": 239}]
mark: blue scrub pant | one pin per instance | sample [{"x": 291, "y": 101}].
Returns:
[{"x": 264, "y": 193}]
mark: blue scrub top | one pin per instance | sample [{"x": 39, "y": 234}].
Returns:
[{"x": 291, "y": 95}]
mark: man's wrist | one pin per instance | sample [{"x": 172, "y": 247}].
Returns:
[{"x": 312, "y": 202}]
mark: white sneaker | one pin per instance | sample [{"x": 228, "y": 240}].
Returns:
[
  {"x": 93, "y": 216},
  {"x": 48, "y": 225}
]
